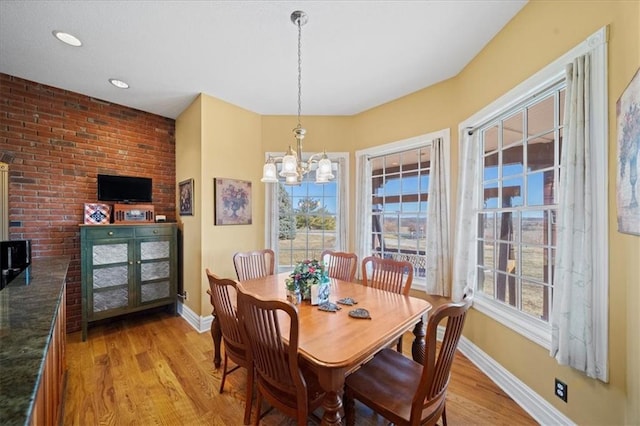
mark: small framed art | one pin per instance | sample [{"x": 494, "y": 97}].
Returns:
[
  {"x": 185, "y": 188},
  {"x": 233, "y": 202}
]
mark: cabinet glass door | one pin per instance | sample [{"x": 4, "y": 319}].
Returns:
[
  {"x": 155, "y": 270},
  {"x": 110, "y": 276}
]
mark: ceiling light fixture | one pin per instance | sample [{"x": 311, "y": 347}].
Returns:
[
  {"x": 293, "y": 166},
  {"x": 67, "y": 38},
  {"x": 118, "y": 83}
]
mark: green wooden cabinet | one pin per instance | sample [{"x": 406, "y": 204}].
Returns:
[{"x": 127, "y": 268}]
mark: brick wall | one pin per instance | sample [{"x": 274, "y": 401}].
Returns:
[{"x": 55, "y": 143}]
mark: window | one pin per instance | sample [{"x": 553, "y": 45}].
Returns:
[
  {"x": 395, "y": 200},
  {"x": 520, "y": 167},
  {"x": 400, "y": 193},
  {"x": 303, "y": 220},
  {"x": 519, "y": 137}
]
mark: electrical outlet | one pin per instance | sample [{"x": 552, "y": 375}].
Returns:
[
  {"x": 561, "y": 390},
  {"x": 186, "y": 295}
]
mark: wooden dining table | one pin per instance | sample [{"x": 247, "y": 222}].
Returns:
[{"x": 335, "y": 343}]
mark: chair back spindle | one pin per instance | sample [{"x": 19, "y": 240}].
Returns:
[
  {"x": 280, "y": 378},
  {"x": 254, "y": 264},
  {"x": 340, "y": 265},
  {"x": 387, "y": 274},
  {"x": 235, "y": 346}
]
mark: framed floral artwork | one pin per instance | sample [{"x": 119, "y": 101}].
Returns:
[
  {"x": 233, "y": 201},
  {"x": 185, "y": 189},
  {"x": 627, "y": 188}
]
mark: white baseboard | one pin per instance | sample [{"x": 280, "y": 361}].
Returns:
[
  {"x": 537, "y": 407},
  {"x": 201, "y": 324}
]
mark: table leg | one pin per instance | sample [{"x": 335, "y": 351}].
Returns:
[
  {"x": 332, "y": 382},
  {"x": 216, "y": 335},
  {"x": 417, "y": 348}
]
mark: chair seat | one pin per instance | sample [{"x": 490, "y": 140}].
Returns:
[
  {"x": 314, "y": 391},
  {"x": 405, "y": 392},
  {"x": 389, "y": 381}
]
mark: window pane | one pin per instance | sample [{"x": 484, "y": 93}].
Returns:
[
  {"x": 505, "y": 288},
  {"x": 533, "y": 265},
  {"x": 512, "y": 193},
  {"x": 533, "y": 227},
  {"x": 485, "y": 282},
  {"x": 540, "y": 152},
  {"x": 512, "y": 129},
  {"x": 377, "y": 166},
  {"x": 512, "y": 161},
  {"x": 541, "y": 188},
  {"x": 533, "y": 299},
  {"x": 491, "y": 195},
  {"x": 540, "y": 116},
  {"x": 504, "y": 226},
  {"x": 490, "y": 138},
  {"x": 487, "y": 258},
  {"x": 491, "y": 170},
  {"x": 486, "y": 222}
]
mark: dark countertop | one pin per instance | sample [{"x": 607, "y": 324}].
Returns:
[{"x": 27, "y": 313}]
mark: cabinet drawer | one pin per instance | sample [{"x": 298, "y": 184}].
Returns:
[
  {"x": 108, "y": 232},
  {"x": 152, "y": 231}
]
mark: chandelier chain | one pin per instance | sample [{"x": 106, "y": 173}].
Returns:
[{"x": 299, "y": 69}]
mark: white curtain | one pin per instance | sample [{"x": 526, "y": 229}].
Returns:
[
  {"x": 272, "y": 217},
  {"x": 572, "y": 322},
  {"x": 464, "y": 257},
  {"x": 438, "y": 268},
  {"x": 363, "y": 210},
  {"x": 341, "y": 234}
]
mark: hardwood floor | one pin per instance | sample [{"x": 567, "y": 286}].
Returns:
[{"x": 154, "y": 368}]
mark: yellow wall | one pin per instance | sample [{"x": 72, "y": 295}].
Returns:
[
  {"x": 540, "y": 33},
  {"x": 229, "y": 146},
  {"x": 188, "y": 148}
]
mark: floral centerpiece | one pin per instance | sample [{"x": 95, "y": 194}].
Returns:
[{"x": 304, "y": 275}]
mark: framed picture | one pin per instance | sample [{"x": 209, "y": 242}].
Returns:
[
  {"x": 628, "y": 123},
  {"x": 185, "y": 189},
  {"x": 233, "y": 201}
]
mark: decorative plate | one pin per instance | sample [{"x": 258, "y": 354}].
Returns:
[
  {"x": 329, "y": 307},
  {"x": 347, "y": 301},
  {"x": 360, "y": 313}
]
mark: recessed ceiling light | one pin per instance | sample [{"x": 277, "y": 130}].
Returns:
[
  {"x": 67, "y": 38},
  {"x": 118, "y": 83}
]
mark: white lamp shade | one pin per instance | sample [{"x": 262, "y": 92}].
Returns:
[
  {"x": 289, "y": 166},
  {"x": 269, "y": 173},
  {"x": 291, "y": 180},
  {"x": 324, "y": 172}
]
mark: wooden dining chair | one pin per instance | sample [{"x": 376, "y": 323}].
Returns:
[
  {"x": 281, "y": 377},
  {"x": 234, "y": 342},
  {"x": 403, "y": 391},
  {"x": 254, "y": 264},
  {"x": 391, "y": 275},
  {"x": 340, "y": 265}
]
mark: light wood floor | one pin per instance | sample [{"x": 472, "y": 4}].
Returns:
[{"x": 154, "y": 368}]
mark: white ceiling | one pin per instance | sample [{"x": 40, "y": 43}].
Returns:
[{"x": 355, "y": 54}]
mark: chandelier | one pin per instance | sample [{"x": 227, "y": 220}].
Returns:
[{"x": 294, "y": 168}]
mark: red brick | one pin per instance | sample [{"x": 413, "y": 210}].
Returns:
[{"x": 59, "y": 142}]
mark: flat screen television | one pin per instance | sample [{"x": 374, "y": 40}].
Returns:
[{"x": 124, "y": 189}]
